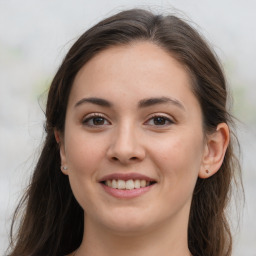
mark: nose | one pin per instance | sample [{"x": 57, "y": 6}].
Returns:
[{"x": 126, "y": 146}]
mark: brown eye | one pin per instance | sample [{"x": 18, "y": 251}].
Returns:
[
  {"x": 98, "y": 120},
  {"x": 159, "y": 120},
  {"x": 95, "y": 120}
]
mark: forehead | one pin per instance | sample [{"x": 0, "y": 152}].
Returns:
[{"x": 141, "y": 69}]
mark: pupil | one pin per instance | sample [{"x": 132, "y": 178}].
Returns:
[
  {"x": 159, "y": 121},
  {"x": 98, "y": 121}
]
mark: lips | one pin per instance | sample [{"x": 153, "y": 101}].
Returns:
[
  {"x": 127, "y": 181},
  {"x": 126, "y": 185}
]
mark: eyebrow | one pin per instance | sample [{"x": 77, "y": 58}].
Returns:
[
  {"x": 160, "y": 100},
  {"x": 142, "y": 103},
  {"x": 96, "y": 101}
]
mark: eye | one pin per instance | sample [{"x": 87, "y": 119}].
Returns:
[
  {"x": 159, "y": 120},
  {"x": 95, "y": 120}
]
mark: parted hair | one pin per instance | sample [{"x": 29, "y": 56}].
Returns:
[{"x": 51, "y": 220}]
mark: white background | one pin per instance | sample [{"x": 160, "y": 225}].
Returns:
[{"x": 34, "y": 37}]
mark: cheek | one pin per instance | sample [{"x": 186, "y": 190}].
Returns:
[
  {"x": 83, "y": 152},
  {"x": 84, "y": 155},
  {"x": 178, "y": 162},
  {"x": 179, "y": 155}
]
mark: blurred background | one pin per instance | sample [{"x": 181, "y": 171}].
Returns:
[{"x": 36, "y": 34}]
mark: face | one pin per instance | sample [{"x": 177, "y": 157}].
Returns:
[{"x": 133, "y": 140}]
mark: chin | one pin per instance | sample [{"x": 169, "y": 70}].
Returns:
[{"x": 128, "y": 222}]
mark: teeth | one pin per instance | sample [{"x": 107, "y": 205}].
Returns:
[
  {"x": 143, "y": 183},
  {"x": 114, "y": 184},
  {"x": 137, "y": 183},
  {"x": 121, "y": 184},
  {"x": 129, "y": 184}
]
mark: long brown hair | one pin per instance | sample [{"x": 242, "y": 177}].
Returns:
[{"x": 52, "y": 220}]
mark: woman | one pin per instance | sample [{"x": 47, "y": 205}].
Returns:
[{"x": 138, "y": 156}]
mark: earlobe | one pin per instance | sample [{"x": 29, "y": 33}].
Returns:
[
  {"x": 60, "y": 141},
  {"x": 215, "y": 150}
]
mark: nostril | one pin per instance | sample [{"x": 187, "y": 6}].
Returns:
[{"x": 114, "y": 158}]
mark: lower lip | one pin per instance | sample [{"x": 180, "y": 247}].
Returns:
[{"x": 126, "y": 193}]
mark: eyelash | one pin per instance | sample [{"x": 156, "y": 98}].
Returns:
[
  {"x": 164, "y": 118},
  {"x": 93, "y": 116}
]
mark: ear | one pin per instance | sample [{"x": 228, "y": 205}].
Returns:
[
  {"x": 215, "y": 149},
  {"x": 60, "y": 140}
]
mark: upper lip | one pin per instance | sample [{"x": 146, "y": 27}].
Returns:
[{"x": 126, "y": 176}]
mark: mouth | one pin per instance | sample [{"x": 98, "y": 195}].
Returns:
[
  {"x": 127, "y": 181},
  {"x": 127, "y": 184}
]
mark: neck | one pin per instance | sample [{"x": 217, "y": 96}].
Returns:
[{"x": 161, "y": 240}]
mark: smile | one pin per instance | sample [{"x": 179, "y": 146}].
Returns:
[{"x": 128, "y": 184}]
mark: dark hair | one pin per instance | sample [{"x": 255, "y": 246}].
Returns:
[{"x": 52, "y": 223}]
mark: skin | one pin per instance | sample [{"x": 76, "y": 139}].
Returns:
[{"x": 173, "y": 150}]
